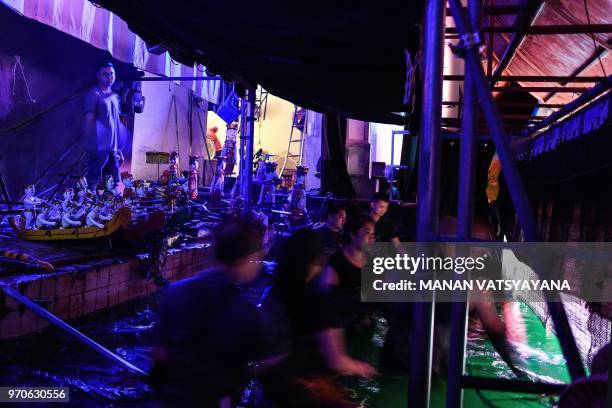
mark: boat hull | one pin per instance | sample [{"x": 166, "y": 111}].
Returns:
[{"x": 120, "y": 220}]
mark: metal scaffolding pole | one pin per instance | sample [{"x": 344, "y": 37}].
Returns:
[
  {"x": 428, "y": 186},
  {"x": 514, "y": 182},
  {"x": 467, "y": 165},
  {"x": 62, "y": 325},
  {"x": 246, "y": 144},
  {"x": 525, "y": 19}
]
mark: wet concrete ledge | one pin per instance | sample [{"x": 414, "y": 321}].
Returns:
[{"x": 74, "y": 291}]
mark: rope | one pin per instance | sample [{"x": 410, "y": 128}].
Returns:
[
  {"x": 19, "y": 65},
  {"x": 190, "y": 120}
]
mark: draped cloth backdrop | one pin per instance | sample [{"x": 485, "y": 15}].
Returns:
[{"x": 334, "y": 175}]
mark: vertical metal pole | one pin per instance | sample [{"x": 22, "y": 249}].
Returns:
[
  {"x": 467, "y": 164},
  {"x": 419, "y": 387},
  {"x": 242, "y": 148},
  {"x": 515, "y": 186},
  {"x": 467, "y": 148},
  {"x": 392, "y": 166},
  {"x": 490, "y": 45},
  {"x": 610, "y": 373},
  {"x": 248, "y": 136}
]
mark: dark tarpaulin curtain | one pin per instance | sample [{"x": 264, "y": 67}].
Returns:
[
  {"x": 334, "y": 175},
  {"x": 569, "y": 189},
  {"x": 407, "y": 178}
]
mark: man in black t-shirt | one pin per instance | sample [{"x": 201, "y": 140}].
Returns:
[
  {"x": 212, "y": 326},
  {"x": 385, "y": 228},
  {"x": 330, "y": 233}
]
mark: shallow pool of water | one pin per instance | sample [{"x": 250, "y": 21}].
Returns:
[{"x": 52, "y": 359}]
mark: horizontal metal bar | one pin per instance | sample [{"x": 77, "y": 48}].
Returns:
[
  {"x": 548, "y": 29},
  {"x": 536, "y": 78},
  {"x": 520, "y": 117},
  {"x": 497, "y": 10},
  {"x": 10, "y": 212},
  {"x": 507, "y": 385},
  {"x": 507, "y": 117},
  {"x": 178, "y": 78},
  {"x": 515, "y": 104},
  {"x": 448, "y": 135},
  {"x": 515, "y": 89}
]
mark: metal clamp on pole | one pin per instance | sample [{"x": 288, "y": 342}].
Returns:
[{"x": 467, "y": 42}]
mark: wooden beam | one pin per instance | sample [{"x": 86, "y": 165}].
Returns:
[
  {"x": 599, "y": 53},
  {"x": 537, "y": 78},
  {"x": 517, "y": 89},
  {"x": 548, "y": 29}
]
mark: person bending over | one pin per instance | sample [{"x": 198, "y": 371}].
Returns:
[
  {"x": 211, "y": 328},
  {"x": 318, "y": 347},
  {"x": 342, "y": 276}
]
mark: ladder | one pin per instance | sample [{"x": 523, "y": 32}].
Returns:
[
  {"x": 261, "y": 105},
  {"x": 298, "y": 122}
]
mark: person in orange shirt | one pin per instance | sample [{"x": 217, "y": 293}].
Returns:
[{"x": 212, "y": 135}]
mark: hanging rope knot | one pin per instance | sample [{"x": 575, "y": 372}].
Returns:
[{"x": 468, "y": 41}]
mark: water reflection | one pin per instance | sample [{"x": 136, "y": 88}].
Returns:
[{"x": 52, "y": 359}]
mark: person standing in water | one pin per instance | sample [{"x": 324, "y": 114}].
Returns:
[{"x": 102, "y": 123}]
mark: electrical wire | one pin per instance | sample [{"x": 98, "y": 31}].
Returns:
[{"x": 586, "y": 9}]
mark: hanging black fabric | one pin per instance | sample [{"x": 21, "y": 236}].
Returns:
[
  {"x": 322, "y": 60},
  {"x": 334, "y": 175},
  {"x": 449, "y": 179},
  {"x": 570, "y": 189},
  {"x": 567, "y": 171}
]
